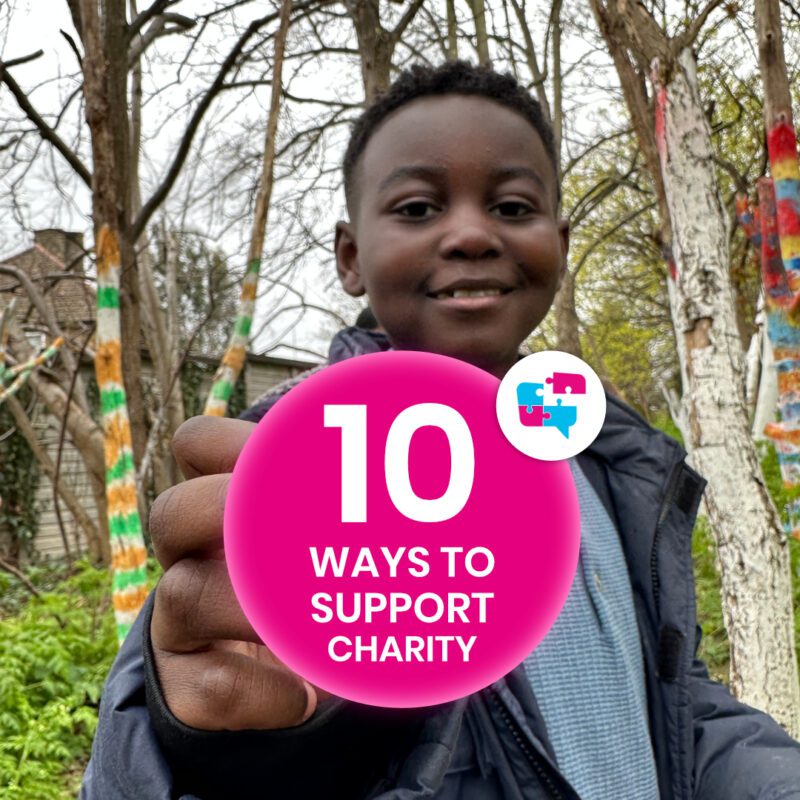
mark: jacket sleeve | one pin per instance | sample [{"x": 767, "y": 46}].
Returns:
[
  {"x": 739, "y": 752},
  {"x": 126, "y": 762},
  {"x": 141, "y": 750}
]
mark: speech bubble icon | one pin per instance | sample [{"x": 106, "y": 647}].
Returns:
[{"x": 561, "y": 417}]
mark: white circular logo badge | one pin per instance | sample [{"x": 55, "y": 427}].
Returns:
[{"x": 551, "y": 405}]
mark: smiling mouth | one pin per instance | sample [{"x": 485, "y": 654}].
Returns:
[{"x": 458, "y": 294}]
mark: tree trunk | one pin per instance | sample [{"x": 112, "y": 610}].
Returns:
[
  {"x": 233, "y": 361},
  {"x": 162, "y": 349},
  {"x": 481, "y": 36},
  {"x": 533, "y": 63},
  {"x": 558, "y": 81},
  {"x": 452, "y": 32},
  {"x": 772, "y": 61},
  {"x": 567, "y": 322},
  {"x": 567, "y": 334},
  {"x": 375, "y": 46},
  {"x": 753, "y": 552},
  {"x": 118, "y": 356}
]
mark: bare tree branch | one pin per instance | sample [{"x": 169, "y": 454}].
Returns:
[
  {"x": 24, "y": 59},
  {"x": 143, "y": 217},
  {"x": 73, "y": 46},
  {"x": 20, "y": 576},
  {"x": 44, "y": 129},
  {"x": 405, "y": 20},
  {"x": 158, "y": 29},
  {"x": 687, "y": 38},
  {"x": 45, "y": 312},
  {"x": 146, "y": 15}
]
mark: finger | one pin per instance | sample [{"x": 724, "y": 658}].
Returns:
[
  {"x": 219, "y": 690},
  {"x": 187, "y": 519},
  {"x": 209, "y": 445},
  {"x": 195, "y": 606}
]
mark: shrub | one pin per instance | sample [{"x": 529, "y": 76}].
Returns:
[{"x": 54, "y": 656}]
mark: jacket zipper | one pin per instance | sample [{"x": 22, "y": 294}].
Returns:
[
  {"x": 519, "y": 737},
  {"x": 669, "y": 496}
]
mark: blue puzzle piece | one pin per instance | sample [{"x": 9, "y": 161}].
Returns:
[
  {"x": 530, "y": 395},
  {"x": 561, "y": 417}
]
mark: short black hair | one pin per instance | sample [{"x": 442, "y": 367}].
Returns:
[{"x": 451, "y": 77}]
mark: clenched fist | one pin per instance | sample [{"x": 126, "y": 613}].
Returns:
[{"x": 214, "y": 671}]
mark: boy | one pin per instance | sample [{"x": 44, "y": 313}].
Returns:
[{"x": 453, "y": 234}]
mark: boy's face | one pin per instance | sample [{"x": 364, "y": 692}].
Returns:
[{"x": 455, "y": 238}]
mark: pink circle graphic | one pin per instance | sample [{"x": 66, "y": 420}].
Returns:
[{"x": 420, "y": 612}]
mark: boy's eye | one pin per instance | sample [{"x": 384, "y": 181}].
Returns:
[
  {"x": 513, "y": 208},
  {"x": 417, "y": 209}
]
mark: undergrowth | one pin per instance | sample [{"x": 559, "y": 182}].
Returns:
[
  {"x": 55, "y": 652},
  {"x": 714, "y": 647}
]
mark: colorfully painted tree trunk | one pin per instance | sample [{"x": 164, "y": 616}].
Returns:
[
  {"x": 12, "y": 379},
  {"x": 779, "y": 201},
  {"x": 105, "y": 70},
  {"x": 232, "y": 362},
  {"x": 752, "y": 549},
  {"x": 784, "y": 336},
  {"x": 128, "y": 554},
  {"x": 759, "y": 385}
]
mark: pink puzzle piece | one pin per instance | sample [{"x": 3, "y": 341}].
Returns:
[
  {"x": 534, "y": 418},
  {"x": 567, "y": 383}
]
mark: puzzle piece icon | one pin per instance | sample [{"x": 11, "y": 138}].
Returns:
[
  {"x": 530, "y": 395},
  {"x": 567, "y": 383},
  {"x": 533, "y": 416},
  {"x": 561, "y": 417}
]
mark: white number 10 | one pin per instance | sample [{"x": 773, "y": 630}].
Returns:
[{"x": 353, "y": 422}]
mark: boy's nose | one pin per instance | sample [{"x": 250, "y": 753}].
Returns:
[{"x": 470, "y": 236}]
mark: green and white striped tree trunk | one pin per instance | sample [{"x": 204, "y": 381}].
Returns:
[{"x": 233, "y": 361}]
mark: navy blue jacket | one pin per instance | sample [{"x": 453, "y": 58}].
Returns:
[{"x": 492, "y": 745}]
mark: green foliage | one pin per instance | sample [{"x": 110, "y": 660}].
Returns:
[
  {"x": 54, "y": 656},
  {"x": 625, "y": 352},
  {"x": 782, "y": 496},
  {"x": 207, "y": 288},
  {"x": 55, "y": 652},
  {"x": 19, "y": 480},
  {"x": 714, "y": 648},
  {"x": 664, "y": 422}
]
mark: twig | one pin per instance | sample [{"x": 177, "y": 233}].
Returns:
[
  {"x": 36, "y": 118},
  {"x": 72, "y": 44},
  {"x": 24, "y": 59},
  {"x": 61, "y": 435},
  {"x": 5, "y": 565}
]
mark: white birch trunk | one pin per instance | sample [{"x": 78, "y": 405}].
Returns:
[{"x": 753, "y": 551}]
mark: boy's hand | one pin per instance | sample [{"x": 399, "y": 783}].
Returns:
[{"x": 214, "y": 671}]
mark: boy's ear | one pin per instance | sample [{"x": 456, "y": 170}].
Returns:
[
  {"x": 563, "y": 233},
  {"x": 347, "y": 260}
]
